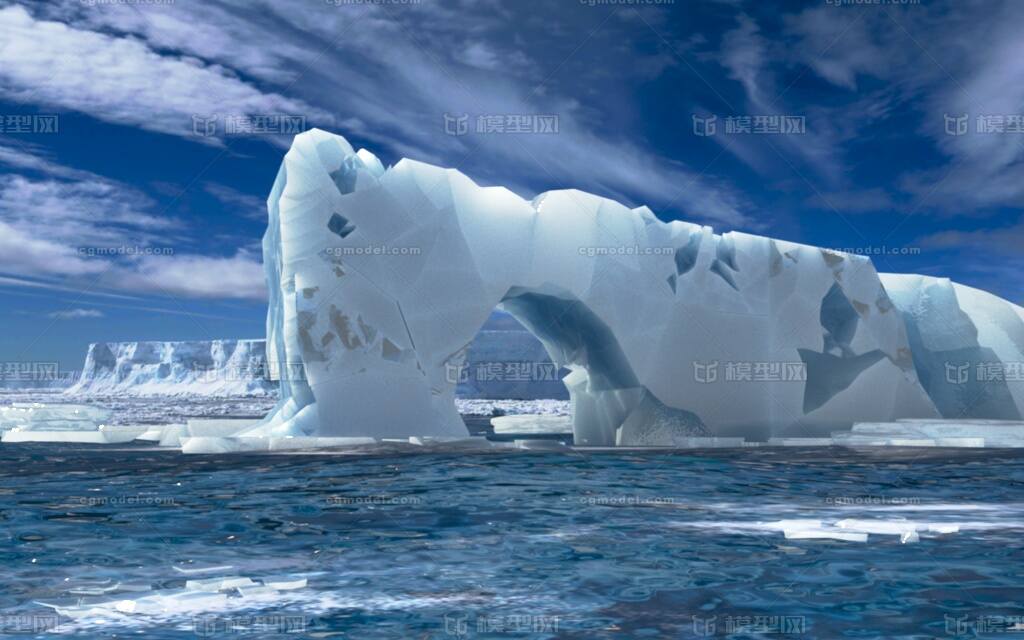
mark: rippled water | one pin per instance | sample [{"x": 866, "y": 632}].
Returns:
[{"x": 505, "y": 545}]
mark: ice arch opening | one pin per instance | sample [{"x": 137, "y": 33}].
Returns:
[
  {"x": 601, "y": 382},
  {"x": 604, "y": 389}
]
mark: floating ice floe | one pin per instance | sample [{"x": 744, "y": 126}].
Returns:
[
  {"x": 824, "y": 534},
  {"x": 858, "y": 529},
  {"x": 52, "y": 417},
  {"x": 75, "y": 423},
  {"x": 103, "y": 600},
  {"x": 67, "y": 423},
  {"x": 845, "y": 529},
  {"x": 935, "y": 433}
]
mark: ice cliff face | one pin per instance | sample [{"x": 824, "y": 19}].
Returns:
[
  {"x": 379, "y": 280},
  {"x": 211, "y": 367}
]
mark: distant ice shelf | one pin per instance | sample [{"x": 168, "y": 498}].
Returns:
[{"x": 200, "y": 367}]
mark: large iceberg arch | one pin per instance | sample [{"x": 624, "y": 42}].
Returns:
[{"x": 380, "y": 278}]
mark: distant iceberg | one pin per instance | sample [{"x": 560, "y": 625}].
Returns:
[
  {"x": 380, "y": 278},
  {"x": 200, "y": 367}
]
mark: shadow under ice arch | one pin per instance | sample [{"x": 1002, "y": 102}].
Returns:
[{"x": 379, "y": 280}]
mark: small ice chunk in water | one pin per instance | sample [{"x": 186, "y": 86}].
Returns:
[
  {"x": 217, "y": 584},
  {"x": 257, "y": 591},
  {"x": 824, "y": 534},
  {"x": 194, "y": 570},
  {"x": 886, "y": 527},
  {"x": 285, "y": 583},
  {"x": 173, "y": 602}
]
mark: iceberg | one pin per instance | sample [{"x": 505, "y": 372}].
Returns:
[
  {"x": 200, "y": 367},
  {"x": 379, "y": 279}
]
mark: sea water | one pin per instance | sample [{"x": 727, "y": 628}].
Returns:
[{"x": 509, "y": 544}]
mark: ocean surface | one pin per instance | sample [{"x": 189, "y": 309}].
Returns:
[{"x": 509, "y": 544}]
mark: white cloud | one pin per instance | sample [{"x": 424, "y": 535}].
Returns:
[
  {"x": 743, "y": 54},
  {"x": 75, "y": 314},
  {"x": 88, "y": 213},
  {"x": 27, "y": 254},
  {"x": 434, "y": 60},
  {"x": 206, "y": 30},
  {"x": 954, "y": 58},
  {"x": 197, "y": 276},
  {"x": 842, "y": 45},
  {"x": 122, "y": 80},
  {"x": 31, "y": 158},
  {"x": 747, "y": 55},
  {"x": 89, "y": 234},
  {"x": 479, "y": 55}
]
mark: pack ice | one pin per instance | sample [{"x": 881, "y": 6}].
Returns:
[
  {"x": 84, "y": 424},
  {"x": 380, "y": 278}
]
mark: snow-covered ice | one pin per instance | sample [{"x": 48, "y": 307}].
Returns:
[{"x": 201, "y": 367}]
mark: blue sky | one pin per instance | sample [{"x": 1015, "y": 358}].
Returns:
[{"x": 127, "y": 223}]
